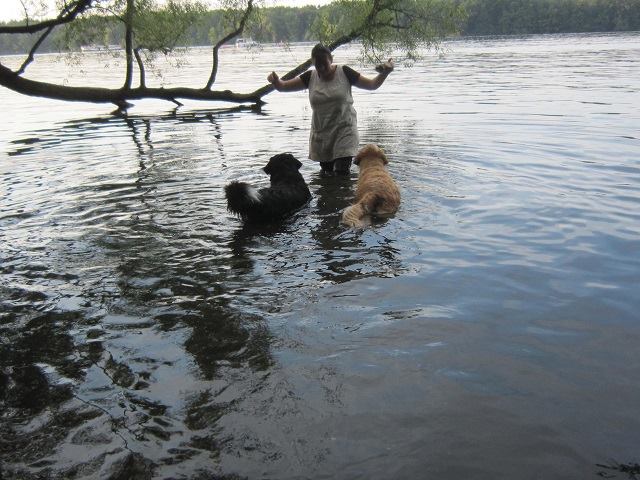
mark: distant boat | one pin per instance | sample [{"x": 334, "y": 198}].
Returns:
[
  {"x": 246, "y": 43},
  {"x": 99, "y": 48}
]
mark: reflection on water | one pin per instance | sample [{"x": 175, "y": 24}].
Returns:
[{"x": 487, "y": 330}]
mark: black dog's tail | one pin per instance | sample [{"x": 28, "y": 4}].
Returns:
[{"x": 241, "y": 198}]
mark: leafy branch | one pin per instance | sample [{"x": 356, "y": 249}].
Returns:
[
  {"x": 150, "y": 27},
  {"x": 68, "y": 14}
]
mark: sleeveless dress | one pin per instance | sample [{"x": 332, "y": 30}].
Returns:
[{"x": 334, "y": 124}]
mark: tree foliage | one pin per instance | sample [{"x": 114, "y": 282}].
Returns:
[
  {"x": 407, "y": 25},
  {"x": 148, "y": 27}
]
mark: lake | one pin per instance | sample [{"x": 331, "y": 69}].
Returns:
[{"x": 489, "y": 330}]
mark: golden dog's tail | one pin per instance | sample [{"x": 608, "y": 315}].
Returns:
[{"x": 358, "y": 214}]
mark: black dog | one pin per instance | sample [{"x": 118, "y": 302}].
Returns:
[{"x": 287, "y": 193}]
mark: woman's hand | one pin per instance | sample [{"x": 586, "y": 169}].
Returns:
[
  {"x": 274, "y": 80},
  {"x": 292, "y": 85},
  {"x": 386, "y": 68}
]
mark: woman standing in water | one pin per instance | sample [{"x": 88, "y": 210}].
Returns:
[{"x": 333, "y": 140}]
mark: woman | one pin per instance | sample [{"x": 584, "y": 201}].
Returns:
[{"x": 334, "y": 130}]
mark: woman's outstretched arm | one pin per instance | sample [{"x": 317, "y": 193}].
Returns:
[
  {"x": 374, "y": 83},
  {"x": 292, "y": 85}
]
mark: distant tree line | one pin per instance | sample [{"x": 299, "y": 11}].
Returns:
[
  {"x": 517, "y": 17},
  {"x": 287, "y": 24}
]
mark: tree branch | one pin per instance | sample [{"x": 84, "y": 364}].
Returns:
[
  {"x": 380, "y": 15},
  {"x": 235, "y": 33},
  {"x": 33, "y": 50},
  {"x": 79, "y": 7},
  {"x": 128, "y": 43},
  {"x": 17, "y": 83},
  {"x": 136, "y": 52},
  {"x": 31, "y": 56}
]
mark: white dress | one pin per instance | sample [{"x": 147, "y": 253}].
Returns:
[{"x": 334, "y": 124}]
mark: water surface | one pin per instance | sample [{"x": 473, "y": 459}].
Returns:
[{"x": 489, "y": 330}]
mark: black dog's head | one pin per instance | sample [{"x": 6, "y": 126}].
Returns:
[{"x": 282, "y": 163}]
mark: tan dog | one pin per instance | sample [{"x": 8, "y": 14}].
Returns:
[{"x": 376, "y": 194}]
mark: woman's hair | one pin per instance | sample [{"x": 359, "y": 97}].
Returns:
[{"x": 319, "y": 50}]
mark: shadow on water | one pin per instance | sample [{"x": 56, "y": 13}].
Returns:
[
  {"x": 139, "y": 126},
  {"x": 97, "y": 343}
]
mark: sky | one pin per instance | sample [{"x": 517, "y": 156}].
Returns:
[{"x": 12, "y": 9}]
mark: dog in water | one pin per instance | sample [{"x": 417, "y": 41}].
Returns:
[
  {"x": 377, "y": 195},
  {"x": 288, "y": 192}
]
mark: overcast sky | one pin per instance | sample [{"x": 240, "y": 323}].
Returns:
[{"x": 12, "y": 9}]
